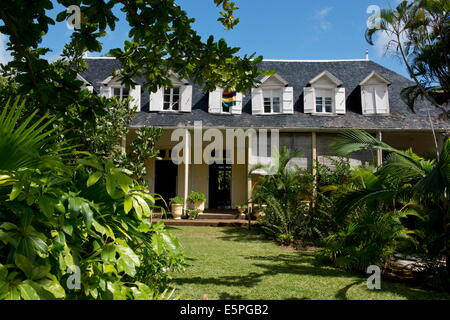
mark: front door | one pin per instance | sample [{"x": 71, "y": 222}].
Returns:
[
  {"x": 166, "y": 173},
  {"x": 220, "y": 186}
]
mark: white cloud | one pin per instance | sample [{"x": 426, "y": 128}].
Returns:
[
  {"x": 321, "y": 17},
  {"x": 5, "y": 56}
]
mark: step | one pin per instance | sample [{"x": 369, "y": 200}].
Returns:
[
  {"x": 205, "y": 222},
  {"x": 218, "y": 216}
]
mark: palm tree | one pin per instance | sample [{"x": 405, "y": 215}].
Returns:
[{"x": 403, "y": 175}]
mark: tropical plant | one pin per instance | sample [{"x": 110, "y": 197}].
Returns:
[
  {"x": 419, "y": 33},
  {"x": 403, "y": 178},
  {"x": 284, "y": 193},
  {"x": 74, "y": 227},
  {"x": 196, "y": 197},
  {"x": 176, "y": 200}
]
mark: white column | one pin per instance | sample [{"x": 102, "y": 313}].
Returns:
[
  {"x": 379, "y": 152},
  {"x": 187, "y": 156},
  {"x": 314, "y": 162}
]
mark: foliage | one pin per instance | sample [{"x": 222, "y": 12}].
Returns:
[
  {"x": 408, "y": 183},
  {"x": 193, "y": 213},
  {"x": 285, "y": 193},
  {"x": 62, "y": 218},
  {"x": 196, "y": 197},
  {"x": 176, "y": 200},
  {"x": 369, "y": 239},
  {"x": 419, "y": 32}
]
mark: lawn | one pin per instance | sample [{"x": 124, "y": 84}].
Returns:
[{"x": 231, "y": 263}]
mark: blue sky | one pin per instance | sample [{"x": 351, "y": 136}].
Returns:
[{"x": 276, "y": 29}]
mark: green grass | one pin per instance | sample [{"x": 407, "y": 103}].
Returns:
[{"x": 230, "y": 263}]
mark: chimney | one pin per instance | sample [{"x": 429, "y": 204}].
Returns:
[{"x": 367, "y": 54}]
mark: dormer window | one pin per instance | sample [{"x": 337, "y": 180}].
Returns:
[
  {"x": 120, "y": 92},
  {"x": 374, "y": 94},
  {"x": 171, "y": 99},
  {"x": 222, "y": 101},
  {"x": 272, "y": 101},
  {"x": 176, "y": 98},
  {"x": 113, "y": 87},
  {"x": 273, "y": 96},
  {"x": 324, "y": 95},
  {"x": 324, "y": 101}
]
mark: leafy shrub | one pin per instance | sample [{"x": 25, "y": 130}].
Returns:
[
  {"x": 196, "y": 197},
  {"x": 176, "y": 200},
  {"x": 370, "y": 239},
  {"x": 62, "y": 217}
]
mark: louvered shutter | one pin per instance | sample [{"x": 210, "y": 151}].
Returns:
[
  {"x": 308, "y": 100},
  {"x": 135, "y": 94},
  {"x": 215, "y": 101},
  {"x": 288, "y": 100},
  {"x": 237, "y": 109},
  {"x": 382, "y": 99},
  {"x": 257, "y": 101},
  {"x": 340, "y": 100},
  {"x": 157, "y": 100},
  {"x": 186, "y": 98},
  {"x": 105, "y": 91}
]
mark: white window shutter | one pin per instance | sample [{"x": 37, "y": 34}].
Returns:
[
  {"x": 135, "y": 95},
  {"x": 257, "y": 101},
  {"x": 368, "y": 106},
  {"x": 382, "y": 99},
  {"x": 157, "y": 100},
  {"x": 186, "y": 98},
  {"x": 309, "y": 100},
  {"x": 288, "y": 100},
  {"x": 215, "y": 101},
  {"x": 105, "y": 91},
  {"x": 340, "y": 101},
  {"x": 237, "y": 109}
]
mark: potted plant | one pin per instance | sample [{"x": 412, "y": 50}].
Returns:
[
  {"x": 258, "y": 210},
  {"x": 242, "y": 209},
  {"x": 176, "y": 207},
  {"x": 193, "y": 214},
  {"x": 197, "y": 199}
]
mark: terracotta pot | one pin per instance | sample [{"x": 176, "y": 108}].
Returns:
[{"x": 177, "y": 211}]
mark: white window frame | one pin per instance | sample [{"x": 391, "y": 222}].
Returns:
[
  {"x": 319, "y": 94},
  {"x": 121, "y": 88},
  {"x": 171, "y": 100},
  {"x": 272, "y": 93}
]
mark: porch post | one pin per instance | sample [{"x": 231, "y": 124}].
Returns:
[
  {"x": 187, "y": 156},
  {"x": 379, "y": 152},
  {"x": 314, "y": 161},
  {"x": 249, "y": 176}
]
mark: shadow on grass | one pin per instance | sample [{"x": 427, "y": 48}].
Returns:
[
  {"x": 304, "y": 264},
  {"x": 244, "y": 235}
]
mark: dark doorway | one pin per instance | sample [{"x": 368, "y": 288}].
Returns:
[
  {"x": 166, "y": 173},
  {"x": 220, "y": 186}
]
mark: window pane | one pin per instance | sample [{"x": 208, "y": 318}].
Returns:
[
  {"x": 328, "y": 105},
  {"x": 176, "y": 91},
  {"x": 319, "y": 104},
  {"x": 267, "y": 105},
  {"x": 276, "y": 104},
  {"x": 125, "y": 93},
  {"x": 175, "y": 105},
  {"x": 116, "y": 92},
  {"x": 166, "y": 105}
]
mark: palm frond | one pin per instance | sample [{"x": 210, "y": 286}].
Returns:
[{"x": 21, "y": 145}]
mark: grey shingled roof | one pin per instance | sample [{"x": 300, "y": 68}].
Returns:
[{"x": 298, "y": 74}]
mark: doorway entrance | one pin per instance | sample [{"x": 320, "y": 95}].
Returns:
[
  {"x": 166, "y": 173},
  {"x": 220, "y": 186}
]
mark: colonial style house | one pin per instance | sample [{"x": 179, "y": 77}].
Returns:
[{"x": 308, "y": 102}]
